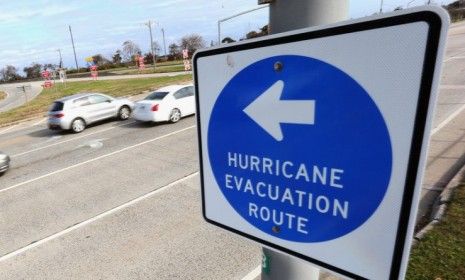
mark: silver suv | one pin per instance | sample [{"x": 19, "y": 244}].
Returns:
[{"x": 77, "y": 111}]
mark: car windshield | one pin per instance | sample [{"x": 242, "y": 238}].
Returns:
[
  {"x": 157, "y": 95},
  {"x": 56, "y": 106}
]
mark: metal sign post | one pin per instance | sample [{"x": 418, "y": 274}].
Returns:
[{"x": 288, "y": 15}]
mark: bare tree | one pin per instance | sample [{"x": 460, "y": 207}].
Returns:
[
  {"x": 156, "y": 48},
  {"x": 228, "y": 40},
  {"x": 33, "y": 71},
  {"x": 148, "y": 58},
  {"x": 254, "y": 34},
  {"x": 192, "y": 43},
  {"x": 9, "y": 73},
  {"x": 100, "y": 60},
  {"x": 174, "y": 51},
  {"x": 130, "y": 49},
  {"x": 117, "y": 58},
  {"x": 49, "y": 66}
]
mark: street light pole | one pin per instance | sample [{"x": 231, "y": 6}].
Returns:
[
  {"x": 287, "y": 15},
  {"x": 164, "y": 42},
  {"x": 74, "y": 49},
  {"x": 61, "y": 60},
  {"x": 411, "y": 1},
  {"x": 149, "y": 24},
  {"x": 233, "y": 16}
]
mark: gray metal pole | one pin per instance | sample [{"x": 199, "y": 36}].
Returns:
[
  {"x": 287, "y": 15},
  {"x": 149, "y": 24},
  {"x": 61, "y": 60},
  {"x": 74, "y": 49},
  {"x": 219, "y": 32},
  {"x": 381, "y": 7},
  {"x": 164, "y": 42},
  {"x": 234, "y": 16}
]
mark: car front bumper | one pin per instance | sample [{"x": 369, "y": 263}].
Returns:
[{"x": 4, "y": 165}]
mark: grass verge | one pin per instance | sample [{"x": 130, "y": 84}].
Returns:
[
  {"x": 2, "y": 95},
  {"x": 441, "y": 254},
  {"x": 116, "y": 88},
  {"x": 161, "y": 67},
  {"x": 164, "y": 69}
]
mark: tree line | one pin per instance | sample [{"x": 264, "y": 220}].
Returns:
[{"x": 123, "y": 57}]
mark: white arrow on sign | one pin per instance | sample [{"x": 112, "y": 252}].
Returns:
[{"x": 269, "y": 111}]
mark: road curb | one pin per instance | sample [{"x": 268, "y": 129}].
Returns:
[
  {"x": 35, "y": 117},
  {"x": 440, "y": 206}
]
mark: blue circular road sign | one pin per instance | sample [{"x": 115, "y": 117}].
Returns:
[{"x": 299, "y": 149}]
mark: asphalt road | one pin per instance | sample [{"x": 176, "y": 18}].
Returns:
[
  {"x": 18, "y": 94},
  {"x": 61, "y": 180},
  {"x": 122, "y": 199}
]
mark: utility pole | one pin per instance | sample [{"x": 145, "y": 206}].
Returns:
[
  {"x": 74, "y": 49},
  {"x": 288, "y": 15},
  {"x": 164, "y": 42},
  {"x": 61, "y": 60},
  {"x": 149, "y": 24}
]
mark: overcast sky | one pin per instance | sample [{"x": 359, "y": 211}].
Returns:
[{"x": 32, "y": 31}]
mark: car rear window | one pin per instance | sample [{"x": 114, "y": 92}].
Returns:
[
  {"x": 157, "y": 95},
  {"x": 56, "y": 106}
]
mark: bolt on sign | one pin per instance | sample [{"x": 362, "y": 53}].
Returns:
[{"x": 314, "y": 142}]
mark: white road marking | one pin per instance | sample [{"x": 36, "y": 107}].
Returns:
[
  {"x": 8, "y": 129},
  {"x": 95, "y": 218},
  {"x": 454, "y": 56},
  {"x": 95, "y": 159},
  {"x": 253, "y": 274},
  {"x": 39, "y": 122},
  {"x": 447, "y": 120},
  {"x": 72, "y": 139},
  {"x": 93, "y": 144},
  {"x": 457, "y": 57},
  {"x": 452, "y": 86}
]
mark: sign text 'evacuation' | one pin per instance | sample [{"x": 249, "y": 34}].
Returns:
[{"x": 318, "y": 176}]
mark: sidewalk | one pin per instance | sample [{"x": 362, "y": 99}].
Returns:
[{"x": 445, "y": 158}]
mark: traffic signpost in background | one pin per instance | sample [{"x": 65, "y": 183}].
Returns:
[
  {"x": 186, "y": 60},
  {"x": 314, "y": 142},
  {"x": 47, "y": 75},
  {"x": 140, "y": 62}
]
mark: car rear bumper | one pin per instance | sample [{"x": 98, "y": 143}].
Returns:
[
  {"x": 147, "y": 116},
  {"x": 54, "y": 123}
]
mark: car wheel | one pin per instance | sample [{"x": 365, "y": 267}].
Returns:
[
  {"x": 124, "y": 113},
  {"x": 175, "y": 115},
  {"x": 78, "y": 125}
]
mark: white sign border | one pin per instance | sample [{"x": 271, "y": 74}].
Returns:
[{"x": 437, "y": 20}]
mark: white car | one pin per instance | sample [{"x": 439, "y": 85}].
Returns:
[
  {"x": 77, "y": 111},
  {"x": 170, "y": 103}
]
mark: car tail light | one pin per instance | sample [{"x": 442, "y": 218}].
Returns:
[
  {"x": 155, "y": 108},
  {"x": 59, "y": 115}
]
